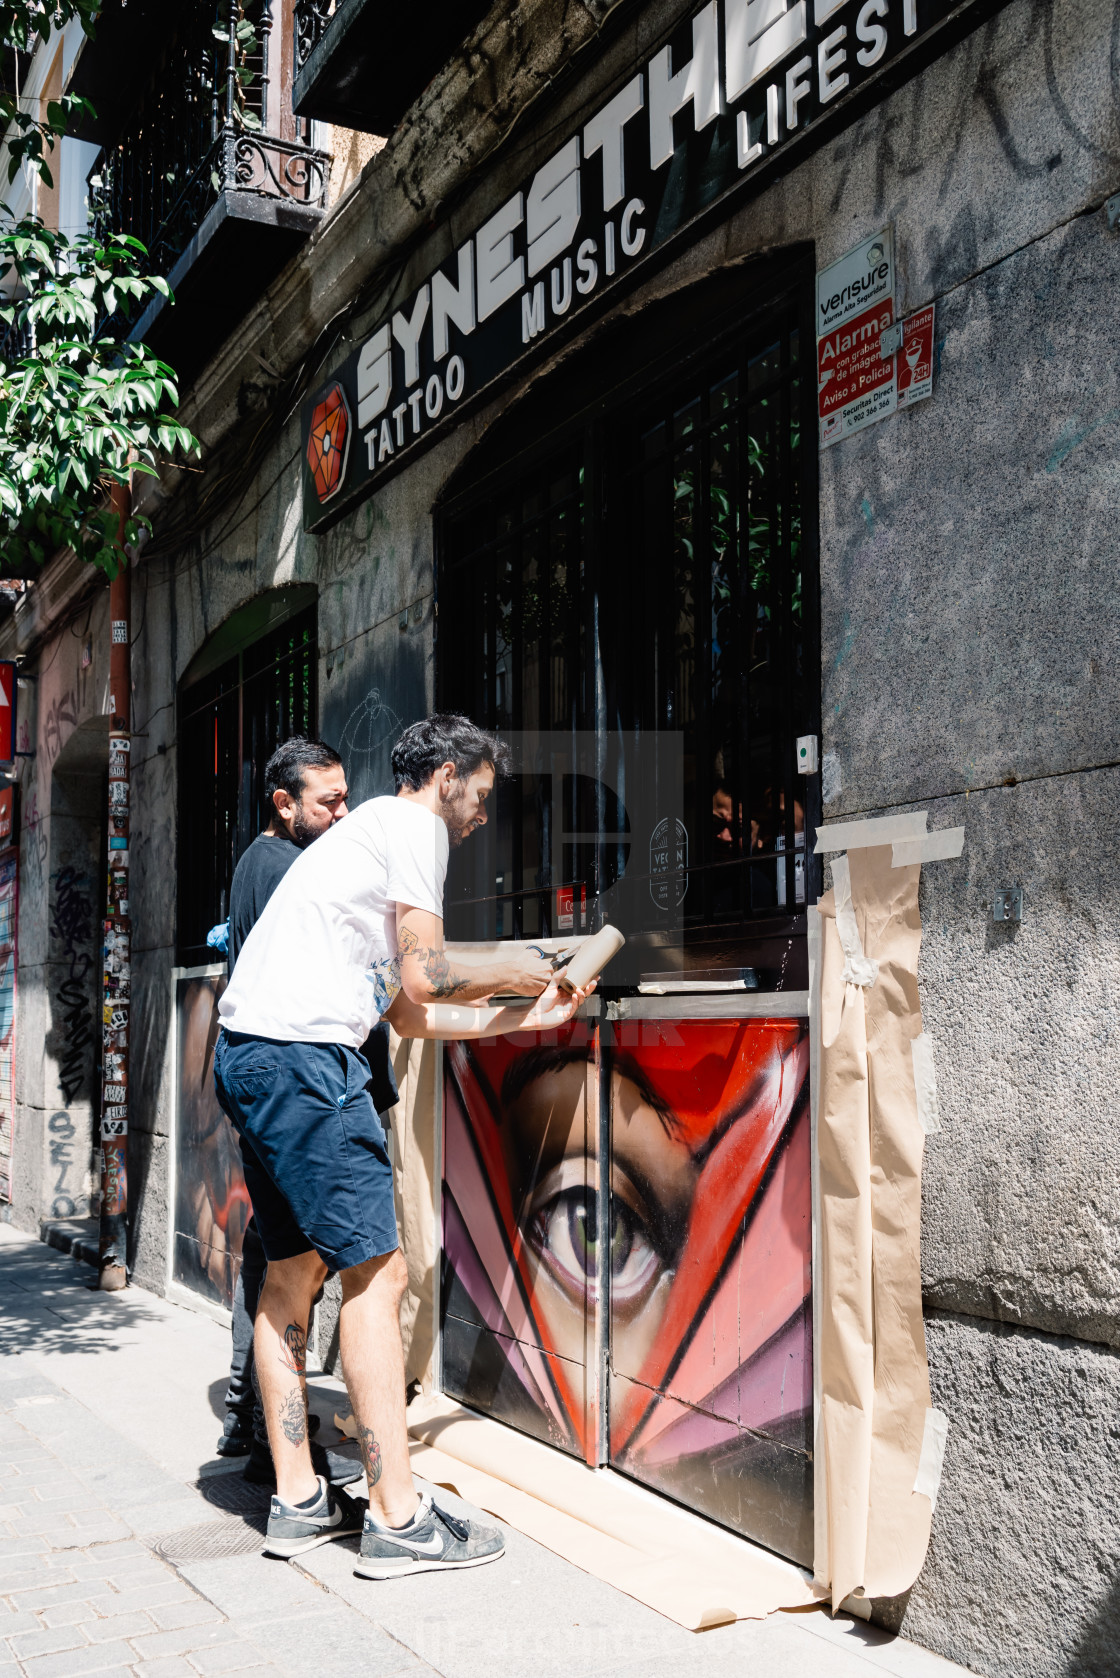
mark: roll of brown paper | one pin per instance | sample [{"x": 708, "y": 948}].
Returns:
[{"x": 591, "y": 958}]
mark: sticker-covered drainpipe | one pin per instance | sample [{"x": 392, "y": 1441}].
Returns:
[{"x": 116, "y": 979}]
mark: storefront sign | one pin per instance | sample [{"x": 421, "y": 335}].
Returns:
[
  {"x": 855, "y": 307},
  {"x": 7, "y": 711},
  {"x": 868, "y": 364},
  {"x": 668, "y": 863},
  {"x": 745, "y": 82},
  {"x": 915, "y": 359},
  {"x": 566, "y": 905}
]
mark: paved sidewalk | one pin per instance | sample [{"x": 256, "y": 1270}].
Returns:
[{"x": 126, "y": 1547}]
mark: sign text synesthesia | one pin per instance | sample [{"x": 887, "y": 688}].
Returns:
[{"x": 743, "y": 81}]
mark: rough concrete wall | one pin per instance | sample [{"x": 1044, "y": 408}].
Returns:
[
  {"x": 152, "y": 902},
  {"x": 1030, "y": 1411},
  {"x": 57, "y": 1046},
  {"x": 969, "y": 608}
]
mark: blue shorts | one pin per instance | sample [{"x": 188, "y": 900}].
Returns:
[{"x": 316, "y": 1166}]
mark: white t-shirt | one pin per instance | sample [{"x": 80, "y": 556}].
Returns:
[{"x": 321, "y": 964}]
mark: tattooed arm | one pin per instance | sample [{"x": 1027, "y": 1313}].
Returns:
[
  {"x": 429, "y": 973},
  {"x": 455, "y": 1021}
]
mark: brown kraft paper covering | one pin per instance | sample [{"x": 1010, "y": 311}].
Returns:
[{"x": 873, "y": 1370}]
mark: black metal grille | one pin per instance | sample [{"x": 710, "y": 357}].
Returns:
[
  {"x": 230, "y": 723},
  {"x": 650, "y": 575},
  {"x": 310, "y": 19},
  {"x": 17, "y": 342},
  {"x": 203, "y": 130}
]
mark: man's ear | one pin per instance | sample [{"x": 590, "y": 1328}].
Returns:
[{"x": 446, "y": 777}]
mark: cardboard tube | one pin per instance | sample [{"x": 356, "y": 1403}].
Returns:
[{"x": 591, "y": 958}]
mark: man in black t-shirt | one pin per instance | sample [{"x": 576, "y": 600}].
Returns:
[{"x": 305, "y": 785}]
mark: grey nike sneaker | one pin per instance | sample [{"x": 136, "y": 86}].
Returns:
[
  {"x": 291, "y": 1531},
  {"x": 433, "y": 1541}
]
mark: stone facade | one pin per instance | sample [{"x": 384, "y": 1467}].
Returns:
[{"x": 969, "y": 654}]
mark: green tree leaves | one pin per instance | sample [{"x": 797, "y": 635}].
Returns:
[
  {"x": 79, "y": 409},
  {"x": 23, "y": 24}
]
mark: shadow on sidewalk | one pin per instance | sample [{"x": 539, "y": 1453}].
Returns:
[{"x": 59, "y": 1312}]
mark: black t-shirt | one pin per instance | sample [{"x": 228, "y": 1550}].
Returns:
[{"x": 255, "y": 878}]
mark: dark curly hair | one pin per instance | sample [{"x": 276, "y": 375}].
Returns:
[
  {"x": 286, "y": 765},
  {"x": 445, "y": 738}
]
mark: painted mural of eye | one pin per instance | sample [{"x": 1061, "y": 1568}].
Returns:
[{"x": 564, "y": 1230}]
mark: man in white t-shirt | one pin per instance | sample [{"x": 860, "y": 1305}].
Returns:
[{"x": 353, "y": 934}]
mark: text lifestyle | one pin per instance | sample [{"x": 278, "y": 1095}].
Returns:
[{"x": 528, "y": 255}]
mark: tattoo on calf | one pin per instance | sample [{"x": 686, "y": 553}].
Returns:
[
  {"x": 293, "y": 1416},
  {"x": 371, "y": 1454},
  {"x": 293, "y": 1350}
]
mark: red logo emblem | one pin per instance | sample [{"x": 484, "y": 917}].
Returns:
[{"x": 328, "y": 443}]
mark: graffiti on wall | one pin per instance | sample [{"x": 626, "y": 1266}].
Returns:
[
  {"x": 709, "y": 1378},
  {"x": 61, "y": 1131},
  {"x": 34, "y": 843},
  {"x": 211, "y": 1200},
  {"x": 73, "y": 932},
  {"x": 59, "y": 721},
  {"x": 371, "y": 724},
  {"x": 9, "y": 886}
]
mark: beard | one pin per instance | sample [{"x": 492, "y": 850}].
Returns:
[
  {"x": 302, "y": 831},
  {"x": 457, "y": 828}
]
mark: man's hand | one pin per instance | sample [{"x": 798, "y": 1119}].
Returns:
[
  {"x": 554, "y": 1007},
  {"x": 430, "y": 973},
  {"x": 529, "y": 972}
]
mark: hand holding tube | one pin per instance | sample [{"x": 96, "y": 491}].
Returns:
[{"x": 555, "y": 1007}]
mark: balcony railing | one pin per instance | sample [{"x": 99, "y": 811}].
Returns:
[
  {"x": 310, "y": 18},
  {"x": 210, "y": 127},
  {"x": 362, "y": 63},
  {"x": 17, "y": 342}
]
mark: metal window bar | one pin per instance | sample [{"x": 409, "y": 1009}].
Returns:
[
  {"x": 229, "y": 725},
  {"x": 738, "y": 412}
]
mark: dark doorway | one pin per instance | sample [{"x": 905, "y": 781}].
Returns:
[{"x": 252, "y": 686}]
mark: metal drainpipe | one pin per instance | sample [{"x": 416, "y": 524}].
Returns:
[{"x": 116, "y": 978}]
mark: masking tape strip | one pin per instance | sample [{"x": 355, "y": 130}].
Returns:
[
  {"x": 925, "y": 1083},
  {"x": 858, "y": 968},
  {"x": 931, "y": 847},
  {"x": 874, "y": 830},
  {"x": 932, "y": 1459}
]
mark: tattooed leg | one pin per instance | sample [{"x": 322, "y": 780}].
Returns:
[
  {"x": 293, "y": 1416},
  {"x": 373, "y": 1363},
  {"x": 371, "y": 1454},
  {"x": 293, "y": 1349},
  {"x": 280, "y": 1348}
]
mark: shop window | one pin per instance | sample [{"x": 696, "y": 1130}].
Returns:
[
  {"x": 646, "y": 570},
  {"x": 251, "y": 687}
]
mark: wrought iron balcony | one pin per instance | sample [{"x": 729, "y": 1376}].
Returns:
[
  {"x": 311, "y": 18},
  {"x": 16, "y": 342},
  {"x": 211, "y": 171},
  {"x": 362, "y": 63}
]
